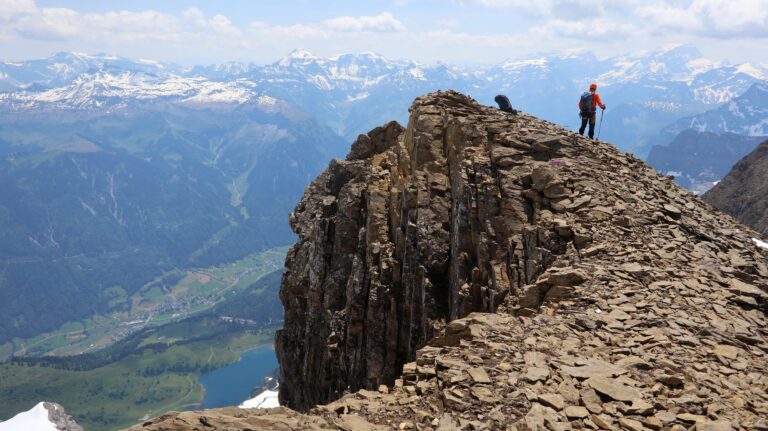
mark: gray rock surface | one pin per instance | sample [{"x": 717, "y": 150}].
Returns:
[{"x": 60, "y": 418}]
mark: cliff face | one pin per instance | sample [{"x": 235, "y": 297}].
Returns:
[
  {"x": 501, "y": 273},
  {"x": 743, "y": 193},
  {"x": 419, "y": 226}
]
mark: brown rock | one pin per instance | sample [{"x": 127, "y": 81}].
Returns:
[
  {"x": 603, "y": 422},
  {"x": 593, "y": 368},
  {"x": 688, "y": 417},
  {"x": 535, "y": 374},
  {"x": 721, "y": 425},
  {"x": 726, "y": 351},
  {"x": 652, "y": 423},
  {"x": 591, "y": 400},
  {"x": 479, "y": 375},
  {"x": 614, "y": 389},
  {"x": 576, "y": 412},
  {"x": 356, "y": 423},
  {"x": 631, "y": 424},
  {"x": 555, "y": 401}
]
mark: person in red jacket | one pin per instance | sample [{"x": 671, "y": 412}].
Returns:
[{"x": 588, "y": 104}]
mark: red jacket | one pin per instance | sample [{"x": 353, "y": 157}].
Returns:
[{"x": 595, "y": 102}]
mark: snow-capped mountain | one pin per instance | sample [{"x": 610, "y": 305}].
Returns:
[
  {"x": 645, "y": 91},
  {"x": 746, "y": 114},
  {"x": 114, "y": 90},
  {"x": 64, "y": 67},
  {"x": 44, "y": 416},
  {"x": 675, "y": 63}
]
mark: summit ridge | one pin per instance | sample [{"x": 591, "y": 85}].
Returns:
[{"x": 475, "y": 270}]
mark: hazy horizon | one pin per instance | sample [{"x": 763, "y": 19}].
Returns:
[{"x": 468, "y": 64}]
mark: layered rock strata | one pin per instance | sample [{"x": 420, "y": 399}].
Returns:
[{"x": 477, "y": 271}]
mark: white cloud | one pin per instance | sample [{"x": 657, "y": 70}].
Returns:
[
  {"x": 717, "y": 19},
  {"x": 195, "y": 16},
  {"x": 12, "y": 9},
  {"x": 383, "y": 22},
  {"x": 218, "y": 24},
  {"x": 711, "y": 18},
  {"x": 565, "y": 9},
  {"x": 48, "y": 24},
  {"x": 280, "y": 33},
  {"x": 595, "y": 29},
  {"x": 609, "y": 26},
  {"x": 24, "y": 20},
  {"x": 31, "y": 22}
]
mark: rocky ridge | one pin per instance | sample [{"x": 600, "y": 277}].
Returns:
[{"x": 481, "y": 271}]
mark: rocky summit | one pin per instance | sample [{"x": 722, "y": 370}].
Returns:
[{"x": 481, "y": 271}]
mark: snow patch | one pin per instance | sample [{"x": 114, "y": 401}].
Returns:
[
  {"x": 150, "y": 63},
  {"x": 752, "y": 71},
  {"x": 700, "y": 65},
  {"x": 265, "y": 400},
  {"x": 662, "y": 106},
  {"x": 355, "y": 98},
  {"x": 516, "y": 65},
  {"x": 34, "y": 419},
  {"x": 298, "y": 56},
  {"x": 760, "y": 244},
  {"x": 417, "y": 73}
]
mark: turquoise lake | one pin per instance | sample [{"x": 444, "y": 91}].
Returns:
[{"x": 231, "y": 385}]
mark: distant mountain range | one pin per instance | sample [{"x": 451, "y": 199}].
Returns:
[
  {"x": 746, "y": 114},
  {"x": 645, "y": 92}
]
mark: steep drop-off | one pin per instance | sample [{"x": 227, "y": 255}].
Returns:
[
  {"x": 743, "y": 193},
  {"x": 483, "y": 271}
]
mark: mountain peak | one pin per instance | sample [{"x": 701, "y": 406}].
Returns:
[
  {"x": 365, "y": 55},
  {"x": 487, "y": 271},
  {"x": 299, "y": 56},
  {"x": 685, "y": 50},
  {"x": 62, "y": 55}
]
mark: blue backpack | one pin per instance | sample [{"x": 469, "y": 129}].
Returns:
[{"x": 587, "y": 102}]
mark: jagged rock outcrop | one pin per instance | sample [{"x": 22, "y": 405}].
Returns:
[
  {"x": 60, "y": 419},
  {"x": 743, "y": 193},
  {"x": 481, "y": 271},
  {"x": 43, "y": 416}
]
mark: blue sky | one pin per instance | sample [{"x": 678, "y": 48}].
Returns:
[{"x": 456, "y": 31}]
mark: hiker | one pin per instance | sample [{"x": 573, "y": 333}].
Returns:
[
  {"x": 588, "y": 104},
  {"x": 504, "y": 104}
]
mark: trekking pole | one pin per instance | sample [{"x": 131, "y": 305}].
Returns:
[{"x": 600, "y": 128}]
